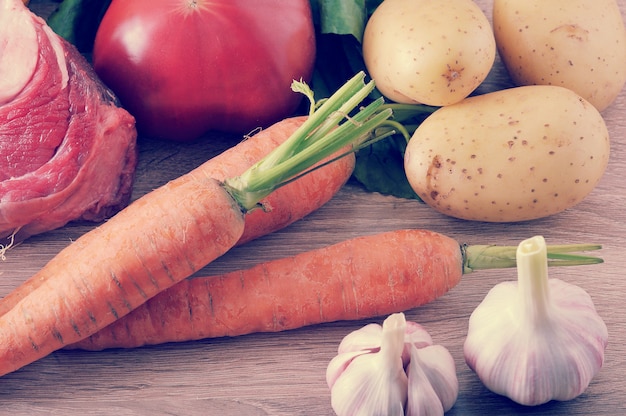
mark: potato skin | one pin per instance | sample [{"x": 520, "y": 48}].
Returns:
[
  {"x": 512, "y": 155},
  {"x": 428, "y": 51},
  {"x": 577, "y": 44}
]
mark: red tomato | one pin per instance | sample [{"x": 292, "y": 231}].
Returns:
[{"x": 184, "y": 67}]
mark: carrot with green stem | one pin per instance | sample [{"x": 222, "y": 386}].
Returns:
[
  {"x": 364, "y": 277},
  {"x": 284, "y": 206},
  {"x": 168, "y": 234}
]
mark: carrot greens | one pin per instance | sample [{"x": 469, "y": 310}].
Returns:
[
  {"x": 481, "y": 257},
  {"x": 329, "y": 128}
]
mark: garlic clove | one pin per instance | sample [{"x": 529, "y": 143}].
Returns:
[
  {"x": 433, "y": 386},
  {"x": 365, "y": 338},
  {"x": 536, "y": 339},
  {"x": 368, "y": 386},
  {"x": 338, "y": 365},
  {"x": 417, "y": 336},
  {"x": 373, "y": 381},
  {"x": 361, "y": 341}
]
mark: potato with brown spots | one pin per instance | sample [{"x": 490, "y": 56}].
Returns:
[
  {"x": 428, "y": 51},
  {"x": 577, "y": 44},
  {"x": 512, "y": 155}
]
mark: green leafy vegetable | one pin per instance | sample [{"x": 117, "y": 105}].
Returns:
[
  {"x": 343, "y": 17},
  {"x": 77, "y": 21},
  {"x": 339, "y": 28},
  {"x": 379, "y": 168},
  {"x": 347, "y": 17}
]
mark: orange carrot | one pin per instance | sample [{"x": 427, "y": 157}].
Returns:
[
  {"x": 109, "y": 271},
  {"x": 296, "y": 199},
  {"x": 284, "y": 206},
  {"x": 170, "y": 233},
  {"x": 364, "y": 277}
]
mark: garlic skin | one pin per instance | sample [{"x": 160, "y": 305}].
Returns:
[
  {"x": 393, "y": 369},
  {"x": 536, "y": 339}
]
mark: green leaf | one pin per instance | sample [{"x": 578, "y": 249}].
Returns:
[
  {"x": 339, "y": 57},
  {"x": 343, "y": 17},
  {"x": 380, "y": 168},
  {"x": 77, "y": 21}
]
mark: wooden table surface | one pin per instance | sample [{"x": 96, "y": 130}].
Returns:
[{"x": 283, "y": 374}]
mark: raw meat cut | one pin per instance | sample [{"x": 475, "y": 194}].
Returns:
[{"x": 67, "y": 150}]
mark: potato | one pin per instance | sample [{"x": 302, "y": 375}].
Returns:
[
  {"x": 577, "y": 44},
  {"x": 511, "y": 155},
  {"x": 428, "y": 51}
]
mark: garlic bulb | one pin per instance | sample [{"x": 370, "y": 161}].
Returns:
[
  {"x": 368, "y": 375},
  {"x": 536, "y": 339}
]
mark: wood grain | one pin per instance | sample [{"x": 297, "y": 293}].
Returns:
[{"x": 283, "y": 374}]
